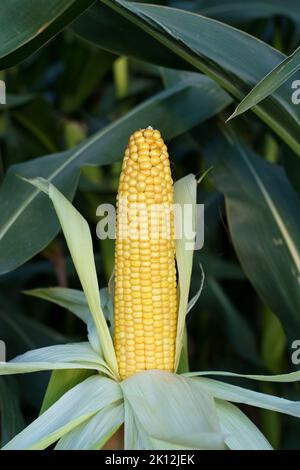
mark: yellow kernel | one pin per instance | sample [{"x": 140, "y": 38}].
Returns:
[
  {"x": 132, "y": 197},
  {"x": 137, "y": 134},
  {"x": 155, "y": 160},
  {"x": 134, "y": 156},
  {"x": 144, "y": 146},
  {"x": 141, "y": 186},
  {"x": 145, "y": 165},
  {"x": 148, "y": 133},
  {"x": 155, "y": 153},
  {"x": 143, "y": 153}
]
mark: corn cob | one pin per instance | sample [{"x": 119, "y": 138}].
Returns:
[{"x": 145, "y": 301}]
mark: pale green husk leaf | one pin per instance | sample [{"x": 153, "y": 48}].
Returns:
[
  {"x": 240, "y": 432},
  {"x": 135, "y": 436},
  {"x": 73, "y": 408},
  {"x": 170, "y": 409},
  {"x": 94, "y": 433},
  {"x": 185, "y": 192},
  {"x": 61, "y": 356},
  {"x": 290, "y": 377},
  {"x": 236, "y": 394},
  {"x": 79, "y": 241}
]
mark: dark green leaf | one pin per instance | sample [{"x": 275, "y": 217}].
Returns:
[
  {"x": 40, "y": 122},
  {"x": 218, "y": 268},
  {"x": 236, "y": 10},
  {"x": 89, "y": 68},
  {"x": 292, "y": 168},
  {"x": 273, "y": 342},
  {"x": 106, "y": 28},
  {"x": 239, "y": 332},
  {"x": 14, "y": 101},
  {"x": 222, "y": 52},
  {"x": 23, "y": 333},
  {"x": 12, "y": 420},
  {"x": 262, "y": 210},
  {"x": 25, "y": 26}
]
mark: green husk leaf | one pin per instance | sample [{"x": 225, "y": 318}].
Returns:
[
  {"x": 185, "y": 192},
  {"x": 240, "y": 432},
  {"x": 61, "y": 356},
  {"x": 195, "y": 298},
  {"x": 135, "y": 436},
  {"x": 72, "y": 409},
  {"x": 290, "y": 377},
  {"x": 78, "y": 238},
  {"x": 171, "y": 409},
  {"x": 228, "y": 392},
  {"x": 61, "y": 381},
  {"x": 94, "y": 434}
]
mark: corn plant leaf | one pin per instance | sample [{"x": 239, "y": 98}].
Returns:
[
  {"x": 187, "y": 417},
  {"x": 228, "y": 392},
  {"x": 61, "y": 356},
  {"x": 26, "y": 26},
  {"x": 93, "y": 434},
  {"x": 220, "y": 51},
  {"x": 262, "y": 210},
  {"x": 73, "y": 408},
  {"x": 173, "y": 111},
  {"x": 270, "y": 83},
  {"x": 79, "y": 241},
  {"x": 240, "y": 433},
  {"x": 96, "y": 24},
  {"x": 185, "y": 193}
]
